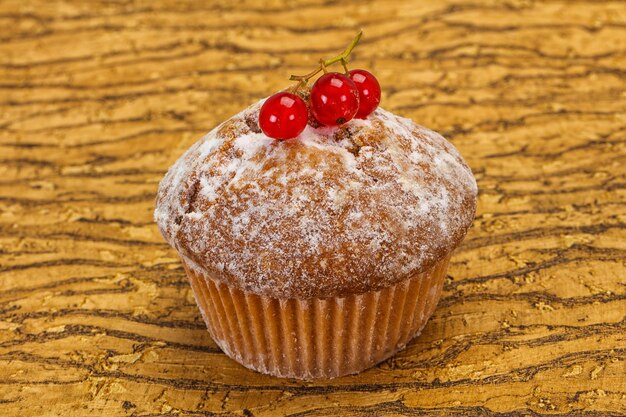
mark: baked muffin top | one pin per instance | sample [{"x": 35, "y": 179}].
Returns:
[{"x": 333, "y": 212}]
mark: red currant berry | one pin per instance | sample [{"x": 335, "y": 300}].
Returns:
[
  {"x": 334, "y": 99},
  {"x": 369, "y": 91},
  {"x": 283, "y": 116}
]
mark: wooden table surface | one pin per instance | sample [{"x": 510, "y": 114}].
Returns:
[{"x": 98, "y": 98}]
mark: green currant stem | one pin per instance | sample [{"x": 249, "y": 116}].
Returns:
[
  {"x": 323, "y": 65},
  {"x": 344, "y": 64},
  {"x": 342, "y": 57}
]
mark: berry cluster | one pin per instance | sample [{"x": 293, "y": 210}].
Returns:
[{"x": 335, "y": 98}]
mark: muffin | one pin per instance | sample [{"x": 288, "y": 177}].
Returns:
[{"x": 319, "y": 256}]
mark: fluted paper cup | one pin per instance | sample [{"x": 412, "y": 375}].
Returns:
[{"x": 317, "y": 337}]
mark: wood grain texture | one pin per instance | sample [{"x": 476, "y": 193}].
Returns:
[{"x": 98, "y": 98}]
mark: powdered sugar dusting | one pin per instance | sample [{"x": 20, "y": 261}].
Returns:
[{"x": 334, "y": 211}]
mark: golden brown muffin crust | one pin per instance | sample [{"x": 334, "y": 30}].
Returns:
[{"x": 333, "y": 212}]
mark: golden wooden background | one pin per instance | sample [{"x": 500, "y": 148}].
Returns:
[{"x": 98, "y": 98}]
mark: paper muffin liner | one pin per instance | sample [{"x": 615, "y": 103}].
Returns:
[{"x": 317, "y": 337}]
